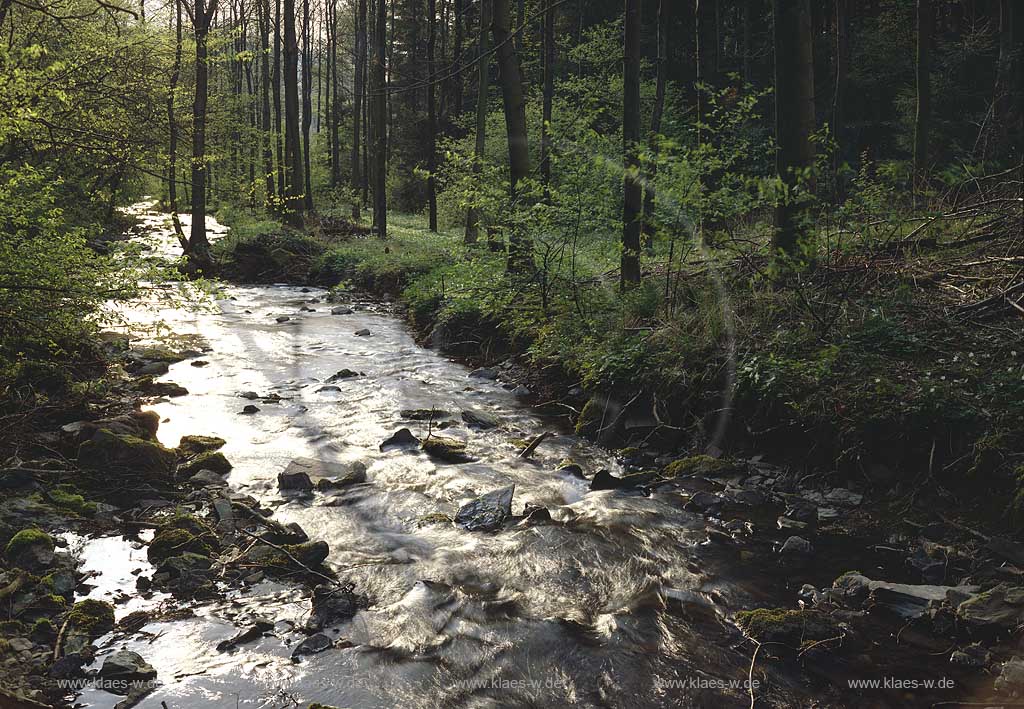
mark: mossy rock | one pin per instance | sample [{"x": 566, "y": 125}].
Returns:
[
  {"x": 91, "y": 617},
  {"x": 794, "y": 628},
  {"x": 702, "y": 465},
  {"x": 450, "y": 450},
  {"x": 434, "y": 518},
  {"x": 210, "y": 460},
  {"x": 195, "y": 445},
  {"x": 310, "y": 554},
  {"x": 30, "y": 549},
  {"x": 318, "y": 705},
  {"x": 13, "y": 628},
  {"x": 159, "y": 354},
  {"x": 107, "y": 450},
  {"x": 588, "y": 423},
  {"x": 73, "y": 502},
  {"x": 176, "y": 541}
]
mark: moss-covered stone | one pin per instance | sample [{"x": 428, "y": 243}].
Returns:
[
  {"x": 309, "y": 554},
  {"x": 450, "y": 450},
  {"x": 194, "y": 445},
  {"x": 71, "y": 501},
  {"x": 701, "y": 465},
  {"x": 210, "y": 460},
  {"x": 107, "y": 450},
  {"x": 589, "y": 421},
  {"x": 30, "y": 548},
  {"x": 787, "y": 626},
  {"x": 91, "y": 617},
  {"x": 434, "y": 518},
  {"x": 176, "y": 541}
]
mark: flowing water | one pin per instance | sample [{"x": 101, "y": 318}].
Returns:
[{"x": 621, "y": 601}]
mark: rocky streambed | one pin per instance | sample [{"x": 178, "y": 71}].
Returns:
[{"x": 308, "y": 507}]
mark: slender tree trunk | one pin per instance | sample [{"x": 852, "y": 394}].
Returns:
[
  {"x": 336, "y": 106},
  {"x": 378, "y": 90},
  {"x": 548, "y": 98},
  {"x": 357, "y": 108},
  {"x": 431, "y": 114},
  {"x": 794, "y": 110},
  {"x": 632, "y": 199},
  {"x": 198, "y": 245},
  {"x": 483, "y": 66},
  {"x": 515, "y": 122},
  {"x": 292, "y": 146},
  {"x": 172, "y": 123},
  {"x": 457, "y": 62},
  {"x": 748, "y": 49},
  {"x": 1007, "y": 98},
  {"x": 922, "y": 118},
  {"x": 267, "y": 137},
  {"x": 839, "y": 97},
  {"x": 278, "y": 132},
  {"x": 656, "y": 113},
  {"x": 307, "y": 104}
]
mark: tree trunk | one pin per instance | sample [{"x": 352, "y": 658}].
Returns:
[
  {"x": 456, "y": 103},
  {"x": 794, "y": 110},
  {"x": 1007, "y": 99},
  {"x": 483, "y": 66},
  {"x": 307, "y": 105},
  {"x": 378, "y": 90},
  {"x": 172, "y": 123},
  {"x": 839, "y": 97},
  {"x": 335, "y": 107},
  {"x": 922, "y": 118},
  {"x": 198, "y": 245},
  {"x": 632, "y": 198},
  {"x": 431, "y": 114},
  {"x": 267, "y": 137},
  {"x": 357, "y": 108},
  {"x": 515, "y": 121},
  {"x": 278, "y": 124},
  {"x": 664, "y": 7},
  {"x": 548, "y": 99},
  {"x": 294, "y": 181}
]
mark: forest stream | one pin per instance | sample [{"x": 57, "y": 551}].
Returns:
[
  {"x": 613, "y": 598},
  {"x": 617, "y": 600}
]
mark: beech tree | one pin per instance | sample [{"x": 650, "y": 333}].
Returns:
[
  {"x": 632, "y": 201},
  {"x": 202, "y": 15}
]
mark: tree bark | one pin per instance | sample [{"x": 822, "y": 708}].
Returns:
[
  {"x": 794, "y": 110},
  {"x": 431, "y": 114},
  {"x": 294, "y": 181},
  {"x": 357, "y": 108},
  {"x": 172, "y": 123},
  {"x": 307, "y": 105},
  {"x": 842, "y": 19},
  {"x": 483, "y": 67},
  {"x": 278, "y": 124},
  {"x": 267, "y": 136},
  {"x": 378, "y": 90},
  {"x": 515, "y": 121},
  {"x": 632, "y": 198},
  {"x": 198, "y": 245},
  {"x": 922, "y": 118}
]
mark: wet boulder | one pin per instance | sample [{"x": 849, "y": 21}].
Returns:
[
  {"x": 249, "y": 410},
  {"x": 209, "y": 460},
  {"x": 488, "y": 512},
  {"x": 351, "y": 474},
  {"x": 107, "y": 450},
  {"x": 206, "y": 478},
  {"x": 312, "y": 645},
  {"x": 126, "y": 666},
  {"x": 795, "y": 551},
  {"x": 702, "y": 466},
  {"x": 341, "y": 310},
  {"x": 332, "y": 605},
  {"x": 289, "y": 557},
  {"x": 904, "y": 600},
  {"x": 305, "y": 474},
  {"x": 789, "y": 627},
  {"x": 401, "y": 438},
  {"x": 484, "y": 373},
  {"x": 444, "y": 448},
  {"x": 86, "y": 621},
  {"x": 194, "y": 445},
  {"x": 422, "y": 414},
  {"x": 182, "y": 534},
  {"x": 479, "y": 420},
  {"x": 1011, "y": 677},
  {"x": 253, "y": 632},
  {"x": 343, "y": 374},
  {"x": 30, "y": 549},
  {"x": 365, "y": 332}
]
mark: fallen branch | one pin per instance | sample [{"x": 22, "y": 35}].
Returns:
[
  {"x": 528, "y": 451},
  {"x": 291, "y": 557}
]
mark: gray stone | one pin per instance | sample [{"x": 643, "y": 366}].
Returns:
[
  {"x": 127, "y": 665},
  {"x": 249, "y": 410},
  {"x": 312, "y": 645},
  {"x": 998, "y": 609},
  {"x": 282, "y": 318},
  {"x": 400, "y": 439},
  {"x": 1011, "y": 677},
  {"x": 341, "y": 310},
  {"x": 484, "y": 373},
  {"x": 905, "y": 600},
  {"x": 206, "y": 478},
  {"x": 153, "y": 369},
  {"x": 795, "y": 549},
  {"x": 487, "y": 512},
  {"x": 479, "y": 419},
  {"x": 974, "y": 655},
  {"x": 522, "y": 391},
  {"x": 250, "y": 395},
  {"x": 343, "y": 374},
  {"x": 322, "y": 474},
  {"x": 331, "y": 605},
  {"x": 365, "y": 332}
]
